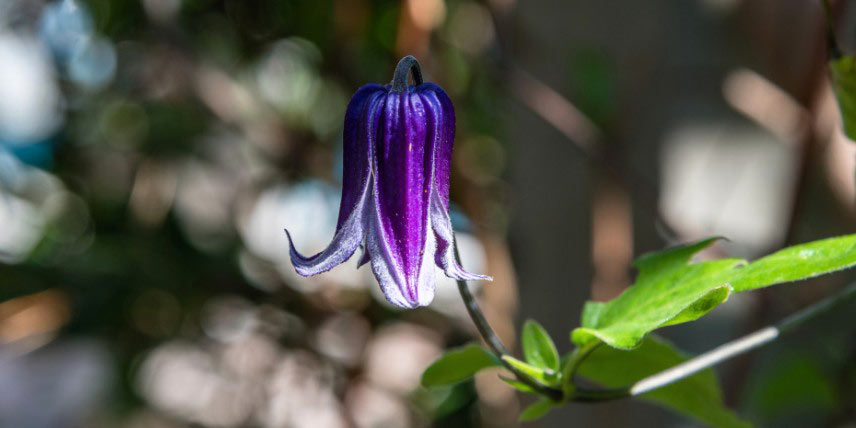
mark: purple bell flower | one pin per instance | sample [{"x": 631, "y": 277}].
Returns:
[{"x": 395, "y": 195}]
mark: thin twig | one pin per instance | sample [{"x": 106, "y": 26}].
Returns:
[
  {"x": 556, "y": 110},
  {"x": 551, "y": 106},
  {"x": 706, "y": 360},
  {"x": 823, "y": 306},
  {"x": 720, "y": 353},
  {"x": 561, "y": 114},
  {"x": 578, "y": 393},
  {"x": 494, "y": 342}
]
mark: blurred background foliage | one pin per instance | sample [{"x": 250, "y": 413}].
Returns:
[{"x": 152, "y": 151}]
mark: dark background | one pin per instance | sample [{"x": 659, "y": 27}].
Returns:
[{"x": 152, "y": 151}]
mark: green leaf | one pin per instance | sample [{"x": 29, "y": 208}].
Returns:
[
  {"x": 442, "y": 401},
  {"x": 844, "y": 85},
  {"x": 518, "y": 385},
  {"x": 702, "y": 306},
  {"x": 458, "y": 365},
  {"x": 543, "y": 376},
  {"x": 536, "y": 411},
  {"x": 697, "y": 396},
  {"x": 666, "y": 288},
  {"x": 670, "y": 291},
  {"x": 797, "y": 262},
  {"x": 538, "y": 348}
]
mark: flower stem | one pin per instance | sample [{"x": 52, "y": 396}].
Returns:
[
  {"x": 407, "y": 65},
  {"x": 569, "y": 370},
  {"x": 493, "y": 341},
  {"x": 720, "y": 353}
]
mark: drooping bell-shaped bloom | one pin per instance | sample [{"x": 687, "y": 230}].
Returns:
[{"x": 395, "y": 196}]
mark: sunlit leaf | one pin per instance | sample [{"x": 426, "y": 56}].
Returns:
[
  {"x": 670, "y": 291},
  {"x": 702, "y": 306},
  {"x": 458, "y": 365},
  {"x": 543, "y": 376},
  {"x": 697, "y": 396},
  {"x": 538, "y": 348},
  {"x": 797, "y": 262},
  {"x": 665, "y": 288},
  {"x": 520, "y": 386}
]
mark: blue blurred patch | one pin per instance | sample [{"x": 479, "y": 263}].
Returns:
[
  {"x": 460, "y": 221},
  {"x": 65, "y": 26},
  {"x": 38, "y": 154}
]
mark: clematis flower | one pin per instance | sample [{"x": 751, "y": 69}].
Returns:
[{"x": 395, "y": 196}]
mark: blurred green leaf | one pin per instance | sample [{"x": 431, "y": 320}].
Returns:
[
  {"x": 441, "y": 402},
  {"x": 536, "y": 411},
  {"x": 843, "y": 72},
  {"x": 538, "y": 348},
  {"x": 458, "y": 365},
  {"x": 793, "y": 387},
  {"x": 697, "y": 396},
  {"x": 520, "y": 386},
  {"x": 543, "y": 376},
  {"x": 670, "y": 291}
]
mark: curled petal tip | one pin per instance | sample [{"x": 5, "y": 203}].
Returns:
[
  {"x": 476, "y": 277},
  {"x": 348, "y": 237},
  {"x": 455, "y": 271},
  {"x": 296, "y": 257},
  {"x": 442, "y": 226},
  {"x": 341, "y": 249}
]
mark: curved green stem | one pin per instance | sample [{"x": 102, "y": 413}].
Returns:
[
  {"x": 494, "y": 342},
  {"x": 570, "y": 369},
  {"x": 407, "y": 65}
]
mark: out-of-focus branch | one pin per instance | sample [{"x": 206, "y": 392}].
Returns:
[
  {"x": 555, "y": 110},
  {"x": 574, "y": 125},
  {"x": 565, "y": 117}
]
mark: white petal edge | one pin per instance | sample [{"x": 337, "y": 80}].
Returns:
[
  {"x": 345, "y": 242},
  {"x": 442, "y": 226},
  {"x": 389, "y": 274}
]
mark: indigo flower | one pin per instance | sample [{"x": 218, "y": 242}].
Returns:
[{"x": 395, "y": 195}]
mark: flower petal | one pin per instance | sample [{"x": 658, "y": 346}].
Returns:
[
  {"x": 348, "y": 237},
  {"x": 360, "y": 125},
  {"x": 443, "y": 120},
  {"x": 365, "y": 257},
  {"x": 400, "y": 290},
  {"x": 360, "y": 122},
  {"x": 445, "y": 257},
  {"x": 403, "y": 159}
]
